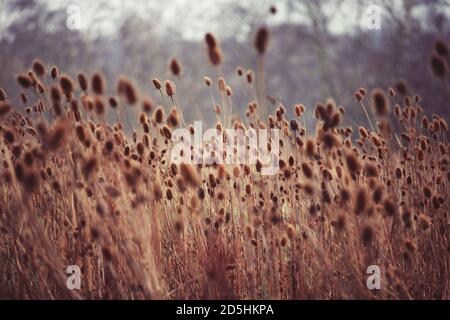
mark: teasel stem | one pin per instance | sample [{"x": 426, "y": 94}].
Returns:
[
  {"x": 164, "y": 99},
  {"x": 174, "y": 101},
  {"x": 260, "y": 86},
  {"x": 367, "y": 115}
]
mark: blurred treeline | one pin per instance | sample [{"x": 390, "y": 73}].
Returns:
[{"x": 307, "y": 62}]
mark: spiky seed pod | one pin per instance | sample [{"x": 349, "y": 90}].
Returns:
[
  {"x": 99, "y": 106},
  {"x": 24, "y": 81},
  {"x": 38, "y": 67},
  {"x": 40, "y": 88},
  {"x": 307, "y": 170},
  {"x": 367, "y": 234},
  {"x": 54, "y": 72},
  {"x": 173, "y": 118},
  {"x": 424, "y": 221},
  {"x": 82, "y": 81},
  {"x": 401, "y": 87},
  {"x": 147, "y": 105},
  {"x": 210, "y": 40},
  {"x": 127, "y": 89},
  {"x": 358, "y": 96},
  {"x": 156, "y": 83},
  {"x": 310, "y": 147},
  {"x": 390, "y": 207},
  {"x": 9, "y": 136},
  {"x": 190, "y": 175},
  {"x": 353, "y": 163},
  {"x": 166, "y": 132},
  {"x": 221, "y": 83},
  {"x": 261, "y": 40},
  {"x": 208, "y": 81},
  {"x": 175, "y": 67},
  {"x": 80, "y": 133},
  {"x": 228, "y": 91},
  {"x": 5, "y": 108},
  {"x": 170, "y": 88},
  {"x": 66, "y": 85},
  {"x": 24, "y": 98},
  {"x": 273, "y": 10},
  {"x": 380, "y": 103},
  {"x": 341, "y": 223},
  {"x": 361, "y": 201},
  {"x": 441, "y": 48},
  {"x": 98, "y": 83},
  {"x": 159, "y": 115},
  {"x": 439, "y": 66},
  {"x": 55, "y": 94},
  {"x": 249, "y": 76},
  {"x": 112, "y": 102}
]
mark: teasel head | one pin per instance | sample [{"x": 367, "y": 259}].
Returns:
[
  {"x": 173, "y": 119},
  {"x": 99, "y": 106},
  {"x": 113, "y": 102},
  {"x": 55, "y": 95},
  {"x": 222, "y": 84},
  {"x": 66, "y": 85},
  {"x": 210, "y": 40},
  {"x": 367, "y": 234},
  {"x": 5, "y": 108},
  {"x": 170, "y": 88},
  {"x": 24, "y": 98},
  {"x": 38, "y": 67},
  {"x": 249, "y": 76},
  {"x": 175, "y": 67},
  {"x": 24, "y": 81},
  {"x": 361, "y": 201},
  {"x": 358, "y": 96},
  {"x": 439, "y": 66},
  {"x": 158, "y": 116},
  {"x": 353, "y": 163},
  {"x": 390, "y": 207},
  {"x": 40, "y": 88},
  {"x": 54, "y": 72},
  {"x": 425, "y": 221},
  {"x": 310, "y": 147},
  {"x": 147, "y": 105},
  {"x": 190, "y": 175},
  {"x": 127, "y": 89},
  {"x": 156, "y": 83},
  {"x": 97, "y": 83},
  {"x": 261, "y": 40},
  {"x": 441, "y": 48},
  {"x": 380, "y": 103},
  {"x": 207, "y": 81}
]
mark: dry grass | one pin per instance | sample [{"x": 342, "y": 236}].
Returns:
[{"x": 77, "y": 189}]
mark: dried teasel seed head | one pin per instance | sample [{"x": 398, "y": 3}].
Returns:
[
  {"x": 82, "y": 81},
  {"x": 98, "y": 83},
  {"x": 208, "y": 81},
  {"x": 127, "y": 89},
  {"x": 175, "y": 67},
  {"x": 156, "y": 83},
  {"x": 38, "y": 67},
  {"x": 54, "y": 72},
  {"x": 261, "y": 40},
  {"x": 439, "y": 66},
  {"x": 380, "y": 103},
  {"x": 170, "y": 88}
]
